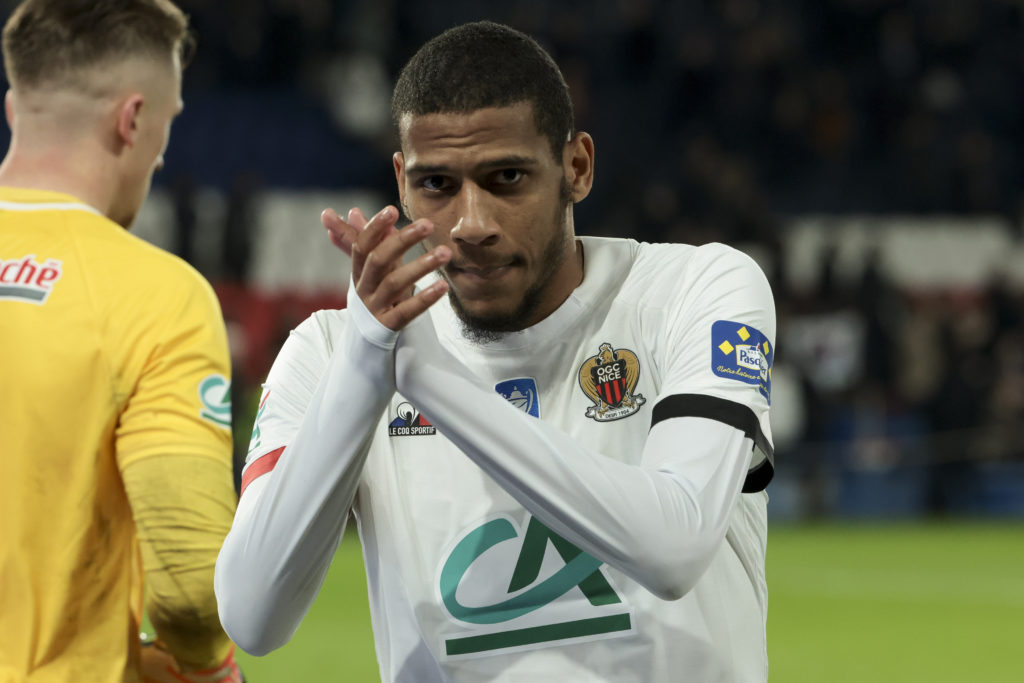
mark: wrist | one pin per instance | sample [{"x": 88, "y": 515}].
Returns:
[
  {"x": 366, "y": 324},
  {"x": 159, "y": 666}
]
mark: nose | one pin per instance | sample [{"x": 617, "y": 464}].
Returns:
[{"x": 475, "y": 224}]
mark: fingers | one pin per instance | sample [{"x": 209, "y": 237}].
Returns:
[
  {"x": 387, "y": 256},
  {"x": 378, "y": 228},
  {"x": 356, "y": 218},
  {"x": 395, "y": 288},
  {"x": 377, "y": 248},
  {"x": 405, "y": 311},
  {"x": 343, "y": 235}
]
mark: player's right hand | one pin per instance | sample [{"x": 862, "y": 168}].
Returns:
[
  {"x": 159, "y": 666},
  {"x": 383, "y": 282}
]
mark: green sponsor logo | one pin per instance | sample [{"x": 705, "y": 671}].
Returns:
[
  {"x": 580, "y": 570},
  {"x": 215, "y": 396},
  {"x": 254, "y": 439}
]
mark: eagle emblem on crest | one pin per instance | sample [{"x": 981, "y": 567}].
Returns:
[{"x": 609, "y": 379}]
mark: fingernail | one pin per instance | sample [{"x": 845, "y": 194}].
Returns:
[{"x": 386, "y": 212}]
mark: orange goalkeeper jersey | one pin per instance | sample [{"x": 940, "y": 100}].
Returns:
[{"x": 111, "y": 351}]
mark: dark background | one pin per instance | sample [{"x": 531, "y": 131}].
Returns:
[{"x": 729, "y": 120}]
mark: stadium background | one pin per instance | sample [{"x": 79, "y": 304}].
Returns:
[{"x": 866, "y": 152}]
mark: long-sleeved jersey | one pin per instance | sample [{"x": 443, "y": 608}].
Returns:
[
  {"x": 581, "y": 500},
  {"x": 114, "y": 375}
]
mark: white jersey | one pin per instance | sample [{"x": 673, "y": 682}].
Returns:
[{"x": 475, "y": 569}]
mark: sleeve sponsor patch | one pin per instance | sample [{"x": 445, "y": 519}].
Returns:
[
  {"x": 215, "y": 396},
  {"x": 742, "y": 352}
]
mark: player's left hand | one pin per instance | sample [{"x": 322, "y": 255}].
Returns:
[{"x": 159, "y": 666}]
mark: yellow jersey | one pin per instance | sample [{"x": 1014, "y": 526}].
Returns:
[{"x": 111, "y": 351}]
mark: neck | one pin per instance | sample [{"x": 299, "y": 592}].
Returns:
[{"x": 86, "y": 174}]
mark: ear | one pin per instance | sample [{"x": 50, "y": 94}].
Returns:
[
  {"x": 578, "y": 165},
  {"x": 9, "y": 108},
  {"x": 399, "y": 162},
  {"x": 128, "y": 118}
]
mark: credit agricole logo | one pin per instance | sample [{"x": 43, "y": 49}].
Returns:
[{"x": 505, "y": 590}]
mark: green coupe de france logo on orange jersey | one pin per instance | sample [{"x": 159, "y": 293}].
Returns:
[{"x": 215, "y": 397}]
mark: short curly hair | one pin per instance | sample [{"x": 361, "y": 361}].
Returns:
[{"x": 485, "y": 64}]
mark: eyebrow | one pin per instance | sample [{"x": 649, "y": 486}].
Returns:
[{"x": 510, "y": 161}]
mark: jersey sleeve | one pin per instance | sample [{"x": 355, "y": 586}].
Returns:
[
  {"x": 173, "y": 445},
  {"x": 289, "y": 388},
  {"x": 182, "y": 506},
  {"x": 720, "y": 341},
  {"x": 327, "y": 390},
  {"x": 181, "y": 401}
]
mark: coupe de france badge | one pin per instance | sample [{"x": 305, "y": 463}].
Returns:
[
  {"x": 743, "y": 353},
  {"x": 609, "y": 380},
  {"x": 522, "y": 393}
]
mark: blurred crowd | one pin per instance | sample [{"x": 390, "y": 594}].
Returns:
[
  {"x": 714, "y": 121},
  {"x": 712, "y": 118}
]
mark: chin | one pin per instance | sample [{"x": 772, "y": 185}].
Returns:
[{"x": 491, "y": 317}]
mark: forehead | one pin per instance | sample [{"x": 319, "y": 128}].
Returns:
[{"x": 447, "y": 138}]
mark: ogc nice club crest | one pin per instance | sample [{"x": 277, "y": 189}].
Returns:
[{"x": 609, "y": 379}]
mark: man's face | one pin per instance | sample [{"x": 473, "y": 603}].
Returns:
[
  {"x": 501, "y": 201},
  {"x": 161, "y": 88}
]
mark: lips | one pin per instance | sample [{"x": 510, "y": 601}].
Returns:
[
  {"x": 480, "y": 273},
  {"x": 486, "y": 272}
]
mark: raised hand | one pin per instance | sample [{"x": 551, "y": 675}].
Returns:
[{"x": 383, "y": 282}]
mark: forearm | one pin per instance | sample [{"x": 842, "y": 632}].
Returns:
[
  {"x": 182, "y": 507},
  {"x": 660, "y": 522},
  {"x": 290, "y": 520}
]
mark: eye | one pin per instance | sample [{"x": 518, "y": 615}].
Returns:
[
  {"x": 508, "y": 176},
  {"x": 434, "y": 183}
]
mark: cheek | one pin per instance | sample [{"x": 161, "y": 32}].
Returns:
[
  {"x": 440, "y": 237},
  {"x": 441, "y": 216}
]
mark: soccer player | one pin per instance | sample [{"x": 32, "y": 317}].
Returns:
[
  {"x": 558, "y": 469},
  {"x": 113, "y": 364}
]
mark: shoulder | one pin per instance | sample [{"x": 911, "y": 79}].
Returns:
[
  {"x": 674, "y": 270},
  {"x": 684, "y": 268},
  {"x": 316, "y": 335},
  {"x": 148, "y": 261},
  {"x": 652, "y": 275},
  {"x": 712, "y": 260},
  {"x": 687, "y": 284},
  {"x": 132, "y": 266},
  {"x": 305, "y": 354}
]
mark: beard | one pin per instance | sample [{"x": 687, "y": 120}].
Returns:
[{"x": 483, "y": 329}]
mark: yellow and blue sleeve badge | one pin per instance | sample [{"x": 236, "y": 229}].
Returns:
[{"x": 743, "y": 353}]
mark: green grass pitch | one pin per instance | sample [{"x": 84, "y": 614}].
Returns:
[{"x": 847, "y": 604}]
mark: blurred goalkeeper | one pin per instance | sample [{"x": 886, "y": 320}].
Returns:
[{"x": 113, "y": 364}]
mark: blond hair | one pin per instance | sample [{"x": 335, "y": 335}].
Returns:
[{"x": 50, "y": 43}]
